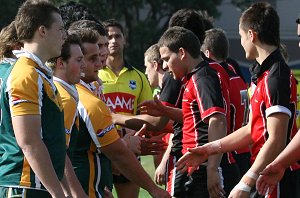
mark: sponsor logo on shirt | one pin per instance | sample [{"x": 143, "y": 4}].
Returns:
[
  {"x": 68, "y": 132},
  {"x": 101, "y": 133},
  {"x": 120, "y": 102},
  {"x": 132, "y": 84}
]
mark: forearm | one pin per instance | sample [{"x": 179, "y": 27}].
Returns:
[
  {"x": 125, "y": 158},
  {"x": 290, "y": 154},
  {"x": 173, "y": 113},
  {"x": 72, "y": 180},
  {"x": 136, "y": 122},
  {"x": 236, "y": 140},
  {"x": 168, "y": 151},
  {"x": 216, "y": 131}
]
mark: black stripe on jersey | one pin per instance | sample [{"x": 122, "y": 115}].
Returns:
[
  {"x": 207, "y": 83},
  {"x": 170, "y": 89}
]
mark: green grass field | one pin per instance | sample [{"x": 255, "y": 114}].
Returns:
[{"x": 147, "y": 163}]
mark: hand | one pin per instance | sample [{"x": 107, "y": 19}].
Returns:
[
  {"x": 269, "y": 178},
  {"x": 214, "y": 184},
  {"x": 160, "y": 174},
  {"x": 160, "y": 193},
  {"x": 107, "y": 193},
  {"x": 236, "y": 193},
  {"x": 152, "y": 146},
  {"x": 191, "y": 160},
  {"x": 134, "y": 140},
  {"x": 152, "y": 107}
]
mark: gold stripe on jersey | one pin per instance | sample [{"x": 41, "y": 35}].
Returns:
[
  {"x": 25, "y": 86},
  {"x": 70, "y": 109},
  {"x": 92, "y": 191},
  {"x": 25, "y": 177}
]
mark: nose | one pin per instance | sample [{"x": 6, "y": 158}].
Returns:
[
  {"x": 83, "y": 65},
  {"x": 165, "y": 65}
]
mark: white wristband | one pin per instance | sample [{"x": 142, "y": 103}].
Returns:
[
  {"x": 243, "y": 187},
  {"x": 252, "y": 175}
]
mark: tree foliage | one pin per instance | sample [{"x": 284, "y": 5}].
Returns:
[{"x": 144, "y": 20}]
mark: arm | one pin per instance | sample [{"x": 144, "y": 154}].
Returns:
[
  {"x": 156, "y": 108},
  {"x": 216, "y": 130},
  {"x": 135, "y": 171},
  {"x": 137, "y": 121},
  {"x": 27, "y": 131},
  {"x": 160, "y": 172},
  {"x": 72, "y": 181},
  {"x": 196, "y": 156},
  {"x": 274, "y": 172},
  {"x": 277, "y": 126}
]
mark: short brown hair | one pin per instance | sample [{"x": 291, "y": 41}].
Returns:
[
  {"x": 8, "y": 40},
  {"x": 31, "y": 15},
  {"x": 216, "y": 42},
  {"x": 153, "y": 54}
]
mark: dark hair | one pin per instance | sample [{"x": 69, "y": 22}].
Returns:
[
  {"x": 179, "y": 37},
  {"x": 153, "y": 54},
  {"x": 113, "y": 23},
  {"x": 86, "y": 35},
  {"x": 31, "y": 15},
  {"x": 216, "y": 42},
  {"x": 72, "y": 11},
  {"x": 298, "y": 19},
  {"x": 91, "y": 25},
  {"x": 72, "y": 39},
  {"x": 208, "y": 21},
  {"x": 189, "y": 19},
  {"x": 8, "y": 40},
  {"x": 264, "y": 20}
]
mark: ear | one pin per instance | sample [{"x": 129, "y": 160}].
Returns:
[
  {"x": 42, "y": 30},
  {"x": 182, "y": 53},
  {"x": 207, "y": 53},
  {"x": 252, "y": 35},
  {"x": 59, "y": 63},
  {"x": 155, "y": 65}
]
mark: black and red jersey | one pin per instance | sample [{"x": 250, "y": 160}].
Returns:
[
  {"x": 206, "y": 93},
  {"x": 274, "y": 91},
  {"x": 169, "y": 96}
]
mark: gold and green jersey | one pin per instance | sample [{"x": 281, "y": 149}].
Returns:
[
  {"x": 124, "y": 92},
  {"x": 69, "y": 104},
  {"x": 96, "y": 130},
  {"x": 28, "y": 89}
]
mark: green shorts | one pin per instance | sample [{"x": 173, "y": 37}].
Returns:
[{"x": 9, "y": 192}]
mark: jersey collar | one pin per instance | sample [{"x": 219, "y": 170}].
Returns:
[
  {"x": 257, "y": 70},
  {"x": 35, "y": 58}
]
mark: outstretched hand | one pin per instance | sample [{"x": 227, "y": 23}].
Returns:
[
  {"x": 269, "y": 178},
  {"x": 152, "y": 107},
  {"x": 191, "y": 160}
]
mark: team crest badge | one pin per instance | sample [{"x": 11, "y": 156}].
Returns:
[{"x": 132, "y": 84}]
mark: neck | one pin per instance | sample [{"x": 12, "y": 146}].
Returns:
[
  {"x": 37, "y": 50},
  {"x": 160, "y": 78},
  {"x": 264, "y": 51},
  {"x": 61, "y": 76},
  {"x": 115, "y": 63}
]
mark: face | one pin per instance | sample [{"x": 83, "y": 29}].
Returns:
[
  {"x": 92, "y": 62},
  {"x": 247, "y": 44},
  {"x": 74, "y": 65},
  {"x": 173, "y": 62},
  {"x": 151, "y": 73},
  {"x": 55, "y": 35},
  {"x": 298, "y": 32},
  {"x": 116, "y": 41},
  {"x": 103, "y": 48}
]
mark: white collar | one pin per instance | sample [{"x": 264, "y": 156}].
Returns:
[
  {"x": 35, "y": 58},
  {"x": 71, "y": 89}
]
